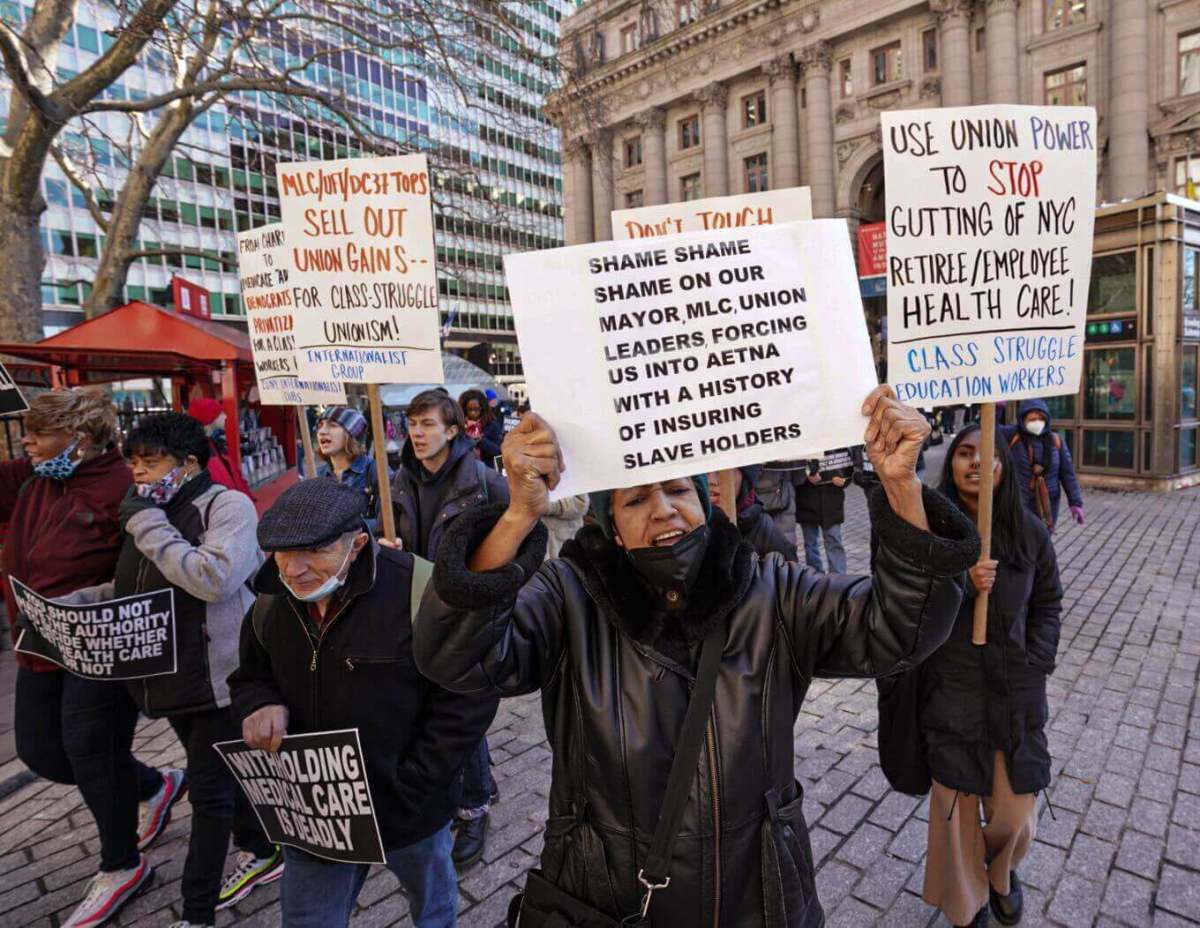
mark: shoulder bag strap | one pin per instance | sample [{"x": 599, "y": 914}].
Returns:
[{"x": 655, "y": 873}]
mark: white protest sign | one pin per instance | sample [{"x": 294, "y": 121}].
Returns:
[
  {"x": 771, "y": 207},
  {"x": 684, "y": 355},
  {"x": 267, "y": 293},
  {"x": 989, "y": 250},
  {"x": 363, "y": 279}
]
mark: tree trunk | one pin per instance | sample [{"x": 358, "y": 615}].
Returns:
[
  {"x": 24, "y": 260},
  {"x": 121, "y": 239}
]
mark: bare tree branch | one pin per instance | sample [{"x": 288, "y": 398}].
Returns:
[{"x": 75, "y": 176}]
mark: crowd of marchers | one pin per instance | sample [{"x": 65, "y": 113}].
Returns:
[{"x": 672, "y": 647}]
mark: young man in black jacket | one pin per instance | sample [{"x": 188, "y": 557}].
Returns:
[
  {"x": 327, "y": 646},
  {"x": 440, "y": 478}
]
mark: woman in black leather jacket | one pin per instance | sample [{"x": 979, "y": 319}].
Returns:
[{"x": 610, "y": 633}]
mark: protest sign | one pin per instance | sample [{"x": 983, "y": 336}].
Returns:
[
  {"x": 311, "y": 794},
  {"x": 267, "y": 294},
  {"x": 11, "y": 398},
  {"x": 361, "y": 268},
  {"x": 771, "y": 207},
  {"x": 989, "y": 250},
  {"x": 117, "y": 639},
  {"x": 695, "y": 353},
  {"x": 839, "y": 463}
]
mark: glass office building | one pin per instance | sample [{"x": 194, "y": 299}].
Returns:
[{"x": 498, "y": 185}]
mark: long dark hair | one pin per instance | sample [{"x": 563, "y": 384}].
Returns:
[
  {"x": 485, "y": 410},
  {"x": 1008, "y": 510}
]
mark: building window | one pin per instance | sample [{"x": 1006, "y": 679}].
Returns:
[
  {"x": 1191, "y": 281},
  {"x": 689, "y": 132},
  {"x": 629, "y": 39},
  {"x": 886, "y": 64},
  {"x": 929, "y": 50},
  {"x": 754, "y": 109},
  {"x": 633, "y": 152},
  {"x": 689, "y": 187},
  {"x": 1187, "y": 449},
  {"x": 1187, "y": 384},
  {"x": 634, "y": 199},
  {"x": 687, "y": 11},
  {"x": 1187, "y": 177},
  {"x": 980, "y": 40},
  {"x": 1110, "y": 383},
  {"x": 1189, "y": 63},
  {"x": 1110, "y": 449},
  {"x": 1066, "y": 86},
  {"x": 756, "y": 173},
  {"x": 845, "y": 78},
  {"x": 1061, "y": 13},
  {"x": 1113, "y": 287}
]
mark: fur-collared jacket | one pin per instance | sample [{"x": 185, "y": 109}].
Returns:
[{"x": 616, "y": 675}]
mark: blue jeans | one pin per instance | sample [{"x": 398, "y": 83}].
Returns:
[
  {"x": 477, "y": 777},
  {"x": 833, "y": 547},
  {"x": 321, "y": 893}
]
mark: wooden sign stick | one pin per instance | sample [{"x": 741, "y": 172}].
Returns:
[
  {"x": 386, "y": 515},
  {"x": 310, "y": 458},
  {"x": 987, "y": 456},
  {"x": 725, "y": 486}
]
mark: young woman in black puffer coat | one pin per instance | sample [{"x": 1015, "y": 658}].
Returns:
[{"x": 983, "y": 710}]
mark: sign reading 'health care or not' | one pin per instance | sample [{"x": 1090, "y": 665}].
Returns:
[
  {"x": 363, "y": 280},
  {"x": 989, "y": 249},
  {"x": 769, "y": 208},
  {"x": 263, "y": 263},
  {"x": 311, "y": 794},
  {"x": 118, "y": 639},
  {"x": 693, "y": 353}
]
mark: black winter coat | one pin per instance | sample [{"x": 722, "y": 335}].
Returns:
[
  {"x": 764, "y": 536},
  {"x": 821, "y": 504},
  {"x": 979, "y": 700},
  {"x": 415, "y": 734},
  {"x": 579, "y": 628}
]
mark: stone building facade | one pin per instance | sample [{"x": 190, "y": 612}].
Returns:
[{"x": 677, "y": 99}]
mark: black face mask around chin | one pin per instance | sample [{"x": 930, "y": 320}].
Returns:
[{"x": 671, "y": 570}]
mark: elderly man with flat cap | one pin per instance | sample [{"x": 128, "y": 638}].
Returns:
[{"x": 328, "y": 645}]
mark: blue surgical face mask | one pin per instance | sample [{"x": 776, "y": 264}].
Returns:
[
  {"x": 328, "y": 588},
  {"x": 61, "y": 466}
]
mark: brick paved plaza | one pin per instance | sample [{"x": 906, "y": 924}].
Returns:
[{"x": 1120, "y": 845}]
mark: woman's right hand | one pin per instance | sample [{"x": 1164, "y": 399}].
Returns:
[
  {"x": 983, "y": 575},
  {"x": 533, "y": 465}
]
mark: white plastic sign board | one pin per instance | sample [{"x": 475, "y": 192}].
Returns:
[
  {"x": 770, "y": 207},
  {"x": 364, "y": 281},
  {"x": 265, "y": 275},
  {"x": 657, "y": 359},
  {"x": 989, "y": 250}
]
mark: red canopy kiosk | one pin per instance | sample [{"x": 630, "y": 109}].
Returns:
[{"x": 200, "y": 357}]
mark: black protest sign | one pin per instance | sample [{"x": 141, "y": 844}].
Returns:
[
  {"x": 839, "y": 463},
  {"x": 11, "y": 400},
  {"x": 118, "y": 639},
  {"x": 311, "y": 794}
]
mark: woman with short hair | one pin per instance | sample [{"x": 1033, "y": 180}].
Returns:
[
  {"x": 61, "y": 503},
  {"x": 344, "y": 454}
]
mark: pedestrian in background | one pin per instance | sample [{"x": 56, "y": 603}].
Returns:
[
  {"x": 441, "y": 478},
  {"x": 344, "y": 455},
  {"x": 1043, "y": 464},
  {"x": 61, "y": 502},
  {"x": 753, "y": 523},
  {"x": 821, "y": 510},
  {"x": 482, "y": 425},
  {"x": 775, "y": 491},
  {"x": 333, "y": 617},
  {"x": 186, "y": 533},
  {"x": 983, "y": 710},
  {"x": 211, "y": 415}
]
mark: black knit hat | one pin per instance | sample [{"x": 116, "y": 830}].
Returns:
[{"x": 312, "y": 514}]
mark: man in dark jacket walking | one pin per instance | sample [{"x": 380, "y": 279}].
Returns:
[
  {"x": 1043, "y": 463},
  {"x": 327, "y": 646},
  {"x": 440, "y": 478},
  {"x": 184, "y": 532},
  {"x": 610, "y": 634}
]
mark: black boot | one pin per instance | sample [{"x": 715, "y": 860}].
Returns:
[
  {"x": 979, "y": 921},
  {"x": 469, "y": 839},
  {"x": 1007, "y": 909}
]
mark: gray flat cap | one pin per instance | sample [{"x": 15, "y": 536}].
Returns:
[{"x": 312, "y": 514}]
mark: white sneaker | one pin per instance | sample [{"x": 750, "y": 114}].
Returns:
[
  {"x": 155, "y": 812},
  {"x": 248, "y": 872},
  {"x": 108, "y": 893}
]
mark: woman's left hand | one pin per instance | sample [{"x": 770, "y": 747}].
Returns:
[{"x": 983, "y": 575}]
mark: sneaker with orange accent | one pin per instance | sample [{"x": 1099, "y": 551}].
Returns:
[
  {"x": 108, "y": 893},
  {"x": 155, "y": 812}
]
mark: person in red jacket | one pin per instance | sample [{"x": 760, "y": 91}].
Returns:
[
  {"x": 210, "y": 414},
  {"x": 60, "y": 503}
]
